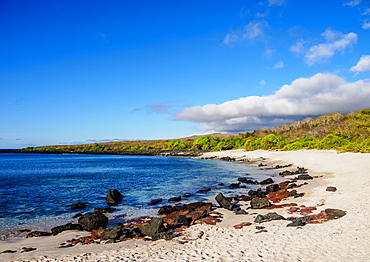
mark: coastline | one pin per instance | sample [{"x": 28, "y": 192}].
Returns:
[{"x": 344, "y": 239}]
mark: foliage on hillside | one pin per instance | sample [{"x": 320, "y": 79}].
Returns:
[{"x": 345, "y": 133}]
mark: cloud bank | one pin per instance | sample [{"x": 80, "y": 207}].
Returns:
[{"x": 317, "y": 95}]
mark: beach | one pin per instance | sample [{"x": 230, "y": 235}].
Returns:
[{"x": 343, "y": 239}]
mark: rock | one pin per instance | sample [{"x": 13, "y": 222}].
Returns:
[
  {"x": 58, "y": 229},
  {"x": 224, "y": 202},
  {"x": 293, "y": 192},
  {"x": 165, "y": 210},
  {"x": 234, "y": 185},
  {"x": 242, "y": 179},
  {"x": 174, "y": 199},
  {"x": 299, "y": 222},
  {"x": 155, "y": 227},
  {"x": 304, "y": 177},
  {"x": 90, "y": 221},
  {"x": 286, "y": 173},
  {"x": 37, "y": 234},
  {"x": 272, "y": 188},
  {"x": 181, "y": 220},
  {"x": 102, "y": 210},
  {"x": 186, "y": 195},
  {"x": 331, "y": 188},
  {"x": 113, "y": 196},
  {"x": 267, "y": 181},
  {"x": 155, "y": 201},
  {"x": 332, "y": 213},
  {"x": 204, "y": 190},
  {"x": 77, "y": 215},
  {"x": 163, "y": 235},
  {"x": 258, "y": 203},
  {"x": 268, "y": 217},
  {"x": 79, "y": 205},
  {"x": 298, "y": 195},
  {"x": 240, "y": 212}
]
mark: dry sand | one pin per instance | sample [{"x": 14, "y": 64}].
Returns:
[{"x": 344, "y": 239}]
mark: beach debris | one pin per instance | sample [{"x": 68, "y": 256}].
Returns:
[
  {"x": 268, "y": 217},
  {"x": 243, "y": 224},
  {"x": 58, "y": 229},
  {"x": 113, "y": 196},
  {"x": 331, "y": 188},
  {"x": 267, "y": 181},
  {"x": 37, "y": 234},
  {"x": 175, "y": 199},
  {"x": 79, "y": 205},
  {"x": 224, "y": 202},
  {"x": 258, "y": 203},
  {"x": 299, "y": 222},
  {"x": 90, "y": 221},
  {"x": 332, "y": 213},
  {"x": 27, "y": 249},
  {"x": 8, "y": 251},
  {"x": 102, "y": 210}
]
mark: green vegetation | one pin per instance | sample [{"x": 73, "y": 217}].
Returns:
[{"x": 345, "y": 133}]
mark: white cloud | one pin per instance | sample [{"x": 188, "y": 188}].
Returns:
[
  {"x": 366, "y": 25},
  {"x": 278, "y": 65},
  {"x": 298, "y": 47},
  {"x": 276, "y": 2},
  {"x": 362, "y": 65},
  {"x": 319, "y": 94},
  {"x": 262, "y": 82},
  {"x": 254, "y": 29},
  {"x": 335, "y": 41},
  {"x": 366, "y": 12},
  {"x": 353, "y": 3}
]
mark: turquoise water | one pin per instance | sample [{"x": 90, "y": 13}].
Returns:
[{"x": 38, "y": 189}]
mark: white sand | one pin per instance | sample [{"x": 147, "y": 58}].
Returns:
[{"x": 344, "y": 239}]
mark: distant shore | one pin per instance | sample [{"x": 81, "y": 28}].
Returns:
[
  {"x": 343, "y": 239},
  {"x": 184, "y": 153}
]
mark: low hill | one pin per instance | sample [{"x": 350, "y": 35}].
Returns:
[{"x": 346, "y": 133}]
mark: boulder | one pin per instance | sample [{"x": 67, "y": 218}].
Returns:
[
  {"x": 224, "y": 202},
  {"x": 155, "y": 227},
  {"x": 267, "y": 181},
  {"x": 91, "y": 221},
  {"x": 181, "y": 220},
  {"x": 79, "y": 205},
  {"x": 332, "y": 213},
  {"x": 258, "y": 203},
  {"x": 272, "y": 188},
  {"x": 113, "y": 196},
  {"x": 234, "y": 185}
]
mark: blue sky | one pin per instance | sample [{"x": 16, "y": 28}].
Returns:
[{"x": 76, "y": 72}]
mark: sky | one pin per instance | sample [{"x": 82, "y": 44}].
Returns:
[{"x": 74, "y": 72}]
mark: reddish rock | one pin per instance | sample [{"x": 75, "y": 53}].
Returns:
[
  {"x": 278, "y": 196},
  {"x": 241, "y": 225},
  {"x": 210, "y": 220}
]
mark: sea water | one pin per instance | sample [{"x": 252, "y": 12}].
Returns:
[{"x": 37, "y": 190}]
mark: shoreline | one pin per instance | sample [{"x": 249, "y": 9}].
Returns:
[{"x": 344, "y": 239}]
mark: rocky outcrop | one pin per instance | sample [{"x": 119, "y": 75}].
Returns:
[
  {"x": 91, "y": 221},
  {"x": 113, "y": 196},
  {"x": 120, "y": 233}
]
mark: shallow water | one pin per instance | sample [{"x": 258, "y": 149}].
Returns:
[{"x": 37, "y": 189}]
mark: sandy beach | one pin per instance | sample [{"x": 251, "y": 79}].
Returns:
[{"x": 343, "y": 239}]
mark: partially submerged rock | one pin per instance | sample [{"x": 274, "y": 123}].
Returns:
[
  {"x": 69, "y": 226},
  {"x": 113, "y": 196}
]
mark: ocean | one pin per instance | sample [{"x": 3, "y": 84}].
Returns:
[{"x": 37, "y": 190}]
